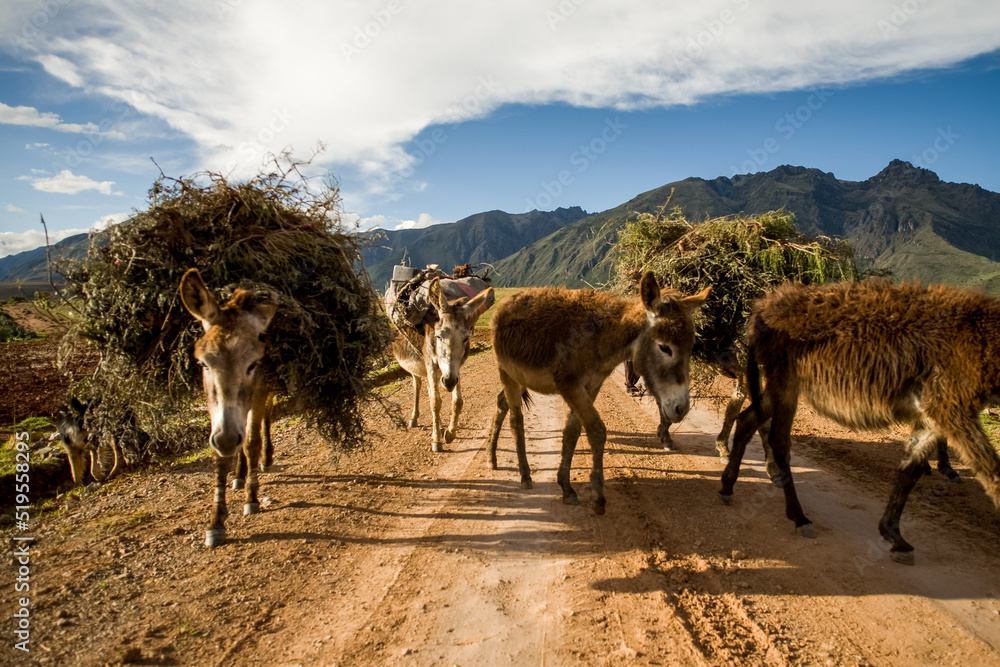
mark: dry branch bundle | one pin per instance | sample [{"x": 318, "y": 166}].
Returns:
[
  {"x": 274, "y": 234},
  {"x": 740, "y": 257}
]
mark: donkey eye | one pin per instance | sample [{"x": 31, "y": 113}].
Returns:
[
  {"x": 251, "y": 368},
  {"x": 666, "y": 349}
]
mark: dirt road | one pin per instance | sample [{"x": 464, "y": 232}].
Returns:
[{"x": 398, "y": 556}]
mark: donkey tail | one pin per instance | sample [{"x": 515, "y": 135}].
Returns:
[
  {"x": 526, "y": 399},
  {"x": 753, "y": 384}
]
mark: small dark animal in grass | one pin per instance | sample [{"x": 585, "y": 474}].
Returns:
[
  {"x": 76, "y": 442},
  {"x": 437, "y": 354},
  {"x": 567, "y": 342},
  {"x": 868, "y": 355},
  {"x": 230, "y": 352}
]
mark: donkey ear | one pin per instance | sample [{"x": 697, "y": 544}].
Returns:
[
  {"x": 693, "y": 303},
  {"x": 434, "y": 293},
  {"x": 649, "y": 291},
  {"x": 198, "y": 300},
  {"x": 262, "y": 315},
  {"x": 478, "y": 305}
]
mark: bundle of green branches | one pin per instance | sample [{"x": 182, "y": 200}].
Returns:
[
  {"x": 274, "y": 234},
  {"x": 740, "y": 257}
]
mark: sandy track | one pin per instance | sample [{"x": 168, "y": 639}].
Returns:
[{"x": 401, "y": 556}]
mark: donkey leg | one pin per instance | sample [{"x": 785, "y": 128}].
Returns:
[
  {"x": 732, "y": 413},
  {"x": 780, "y": 439},
  {"x": 769, "y": 463},
  {"x": 512, "y": 394},
  {"x": 922, "y": 443},
  {"x": 216, "y": 533},
  {"x": 252, "y": 449},
  {"x": 571, "y": 435},
  {"x": 456, "y": 411},
  {"x": 498, "y": 417},
  {"x": 944, "y": 462},
  {"x": 663, "y": 433},
  {"x": 240, "y": 471},
  {"x": 268, "y": 454},
  {"x": 416, "y": 402},
  {"x": 116, "y": 467},
  {"x": 582, "y": 405},
  {"x": 746, "y": 425},
  {"x": 434, "y": 392}
]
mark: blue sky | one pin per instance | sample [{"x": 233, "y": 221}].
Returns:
[{"x": 437, "y": 110}]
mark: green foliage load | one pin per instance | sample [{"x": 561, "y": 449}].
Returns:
[
  {"x": 11, "y": 330},
  {"x": 274, "y": 234},
  {"x": 740, "y": 257}
]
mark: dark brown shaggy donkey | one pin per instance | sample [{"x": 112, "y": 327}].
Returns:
[
  {"x": 567, "y": 342},
  {"x": 868, "y": 355}
]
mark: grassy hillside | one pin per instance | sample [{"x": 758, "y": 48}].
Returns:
[{"x": 903, "y": 219}]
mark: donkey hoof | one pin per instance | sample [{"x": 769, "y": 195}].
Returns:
[
  {"x": 526, "y": 483},
  {"x": 598, "y": 506},
  {"x": 493, "y": 464},
  {"x": 411, "y": 423},
  {"x": 902, "y": 557},
  {"x": 238, "y": 484},
  {"x": 726, "y": 499},
  {"x": 953, "y": 477},
  {"x": 251, "y": 508},
  {"x": 724, "y": 460},
  {"x": 571, "y": 499},
  {"x": 437, "y": 447},
  {"x": 806, "y": 530},
  {"x": 215, "y": 537},
  {"x": 669, "y": 447},
  {"x": 449, "y": 436}
]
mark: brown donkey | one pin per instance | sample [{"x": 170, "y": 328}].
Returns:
[
  {"x": 229, "y": 353},
  {"x": 437, "y": 355},
  {"x": 868, "y": 355},
  {"x": 76, "y": 441},
  {"x": 567, "y": 342}
]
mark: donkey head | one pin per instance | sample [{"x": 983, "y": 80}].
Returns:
[
  {"x": 229, "y": 354},
  {"x": 456, "y": 321},
  {"x": 74, "y": 437},
  {"x": 663, "y": 352}
]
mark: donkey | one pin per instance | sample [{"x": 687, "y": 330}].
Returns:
[
  {"x": 868, "y": 355},
  {"x": 437, "y": 357},
  {"x": 76, "y": 442},
  {"x": 567, "y": 342},
  {"x": 230, "y": 353}
]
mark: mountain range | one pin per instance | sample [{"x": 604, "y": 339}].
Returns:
[{"x": 904, "y": 219}]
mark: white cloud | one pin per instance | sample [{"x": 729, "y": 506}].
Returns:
[
  {"x": 32, "y": 117},
  {"x": 423, "y": 220},
  {"x": 66, "y": 182},
  {"x": 366, "y": 79},
  {"x": 12, "y": 243},
  {"x": 36, "y": 145},
  {"x": 106, "y": 221},
  {"x": 19, "y": 212}
]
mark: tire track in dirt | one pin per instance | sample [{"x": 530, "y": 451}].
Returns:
[{"x": 840, "y": 592}]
